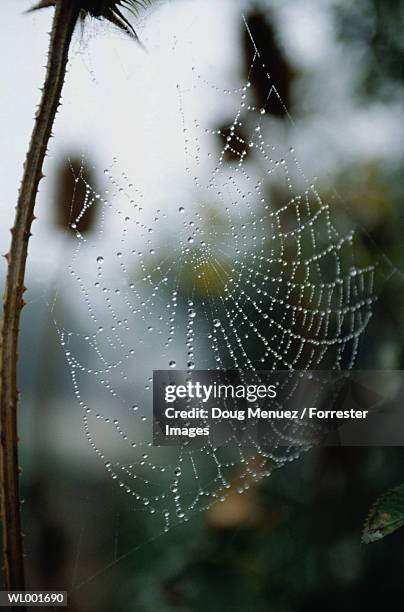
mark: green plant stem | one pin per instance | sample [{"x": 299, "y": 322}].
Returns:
[{"x": 65, "y": 17}]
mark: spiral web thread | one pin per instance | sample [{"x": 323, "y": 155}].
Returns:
[{"x": 233, "y": 279}]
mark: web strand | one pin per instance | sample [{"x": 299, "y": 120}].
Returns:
[{"x": 233, "y": 279}]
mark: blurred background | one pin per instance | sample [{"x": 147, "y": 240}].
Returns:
[{"x": 293, "y": 542}]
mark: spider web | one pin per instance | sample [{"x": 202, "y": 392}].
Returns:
[{"x": 229, "y": 276}]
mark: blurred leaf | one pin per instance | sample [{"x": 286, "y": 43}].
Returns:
[
  {"x": 241, "y": 507},
  {"x": 386, "y": 516}
]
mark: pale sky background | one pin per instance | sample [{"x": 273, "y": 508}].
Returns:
[{"x": 110, "y": 102}]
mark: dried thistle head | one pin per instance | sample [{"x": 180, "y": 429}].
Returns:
[{"x": 104, "y": 9}]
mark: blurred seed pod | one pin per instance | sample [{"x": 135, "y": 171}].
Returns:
[
  {"x": 277, "y": 64},
  {"x": 72, "y": 202}
]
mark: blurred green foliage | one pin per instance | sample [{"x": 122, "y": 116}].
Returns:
[
  {"x": 375, "y": 28},
  {"x": 386, "y": 516}
]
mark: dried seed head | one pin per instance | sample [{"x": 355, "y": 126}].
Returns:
[{"x": 104, "y": 9}]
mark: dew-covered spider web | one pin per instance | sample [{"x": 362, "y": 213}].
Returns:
[{"x": 245, "y": 269}]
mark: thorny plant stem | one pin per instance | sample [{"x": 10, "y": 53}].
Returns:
[{"x": 65, "y": 17}]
